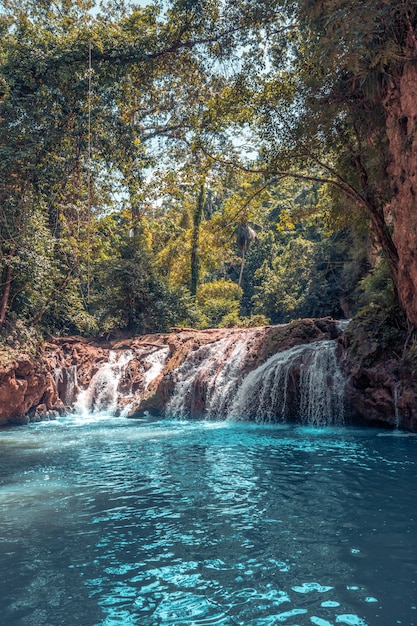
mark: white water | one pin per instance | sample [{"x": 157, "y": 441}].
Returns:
[
  {"x": 110, "y": 389},
  {"x": 304, "y": 381},
  {"x": 263, "y": 393},
  {"x": 208, "y": 378},
  {"x": 321, "y": 385},
  {"x": 102, "y": 394},
  {"x": 155, "y": 362}
]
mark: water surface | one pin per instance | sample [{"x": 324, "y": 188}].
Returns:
[{"x": 108, "y": 521}]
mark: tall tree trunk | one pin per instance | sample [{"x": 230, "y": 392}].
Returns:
[
  {"x": 401, "y": 123},
  {"x": 242, "y": 265},
  {"x": 6, "y": 293},
  {"x": 195, "y": 242}
]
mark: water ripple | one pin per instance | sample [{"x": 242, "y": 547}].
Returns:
[{"x": 156, "y": 523}]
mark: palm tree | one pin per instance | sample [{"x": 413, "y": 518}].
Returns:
[{"x": 245, "y": 235}]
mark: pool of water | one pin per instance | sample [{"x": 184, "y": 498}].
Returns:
[{"x": 108, "y": 521}]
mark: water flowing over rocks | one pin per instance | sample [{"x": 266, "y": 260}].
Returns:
[{"x": 272, "y": 373}]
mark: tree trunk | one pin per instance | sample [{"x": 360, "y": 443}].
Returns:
[
  {"x": 242, "y": 265},
  {"x": 6, "y": 293},
  {"x": 195, "y": 247},
  {"x": 401, "y": 123}
]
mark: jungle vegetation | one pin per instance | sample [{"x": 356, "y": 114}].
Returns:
[{"x": 204, "y": 163}]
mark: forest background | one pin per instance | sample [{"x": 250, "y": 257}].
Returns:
[{"x": 204, "y": 163}]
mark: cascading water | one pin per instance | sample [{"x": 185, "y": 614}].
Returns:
[
  {"x": 102, "y": 394},
  {"x": 207, "y": 380},
  {"x": 155, "y": 363},
  {"x": 322, "y": 386},
  {"x": 111, "y": 389},
  {"x": 217, "y": 380},
  {"x": 67, "y": 384},
  {"x": 303, "y": 383}
]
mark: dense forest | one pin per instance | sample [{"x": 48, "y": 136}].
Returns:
[{"x": 204, "y": 163}]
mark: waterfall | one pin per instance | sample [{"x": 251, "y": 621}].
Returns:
[
  {"x": 216, "y": 380},
  {"x": 102, "y": 394},
  {"x": 207, "y": 380},
  {"x": 322, "y": 386},
  {"x": 119, "y": 383},
  {"x": 303, "y": 383},
  {"x": 154, "y": 364},
  {"x": 67, "y": 384},
  {"x": 396, "y": 409}
]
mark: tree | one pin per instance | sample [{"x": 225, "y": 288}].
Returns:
[
  {"x": 245, "y": 235},
  {"x": 354, "y": 82},
  {"x": 336, "y": 103},
  {"x": 47, "y": 107}
]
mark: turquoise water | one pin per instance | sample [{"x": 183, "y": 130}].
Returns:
[{"x": 111, "y": 521}]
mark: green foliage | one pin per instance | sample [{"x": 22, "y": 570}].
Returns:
[
  {"x": 379, "y": 328},
  {"x": 219, "y": 303},
  {"x": 93, "y": 242},
  {"x": 16, "y": 337},
  {"x": 134, "y": 297},
  {"x": 377, "y": 288}
]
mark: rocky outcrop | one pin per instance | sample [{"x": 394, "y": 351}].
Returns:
[
  {"x": 400, "y": 105},
  {"x": 381, "y": 385},
  {"x": 381, "y": 374},
  {"x": 27, "y": 391},
  {"x": 258, "y": 345}
]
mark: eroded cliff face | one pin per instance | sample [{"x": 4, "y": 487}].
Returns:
[
  {"x": 401, "y": 127},
  {"x": 381, "y": 375},
  {"x": 27, "y": 390}
]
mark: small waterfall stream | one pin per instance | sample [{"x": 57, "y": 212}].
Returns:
[
  {"x": 103, "y": 393},
  {"x": 67, "y": 384}
]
